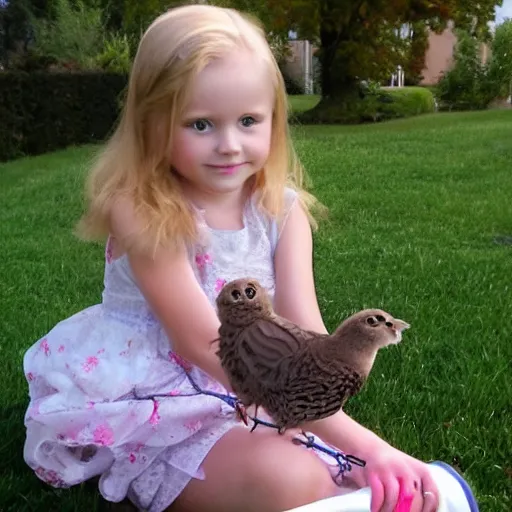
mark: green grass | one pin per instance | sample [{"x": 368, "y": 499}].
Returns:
[
  {"x": 420, "y": 224},
  {"x": 301, "y": 103}
]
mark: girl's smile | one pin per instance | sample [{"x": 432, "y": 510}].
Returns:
[{"x": 227, "y": 169}]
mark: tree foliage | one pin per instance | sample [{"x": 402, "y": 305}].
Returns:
[
  {"x": 466, "y": 85},
  {"x": 360, "y": 39},
  {"x": 74, "y": 36},
  {"x": 500, "y": 67}
]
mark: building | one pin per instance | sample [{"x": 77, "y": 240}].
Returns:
[
  {"x": 438, "y": 59},
  {"x": 439, "y": 55}
]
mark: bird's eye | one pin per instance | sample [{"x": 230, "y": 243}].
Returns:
[
  {"x": 250, "y": 292},
  {"x": 380, "y": 318},
  {"x": 236, "y": 294},
  {"x": 389, "y": 324},
  {"x": 371, "y": 320}
]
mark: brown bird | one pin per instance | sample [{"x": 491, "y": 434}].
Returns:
[{"x": 296, "y": 375}]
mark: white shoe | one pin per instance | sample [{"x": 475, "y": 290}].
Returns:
[{"x": 454, "y": 492}]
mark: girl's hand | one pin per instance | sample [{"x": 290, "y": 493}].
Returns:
[{"x": 399, "y": 482}]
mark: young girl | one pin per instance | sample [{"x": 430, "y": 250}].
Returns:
[{"x": 198, "y": 185}]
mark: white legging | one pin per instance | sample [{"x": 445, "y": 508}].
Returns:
[{"x": 452, "y": 496}]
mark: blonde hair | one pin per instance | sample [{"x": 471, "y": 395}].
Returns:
[{"x": 134, "y": 164}]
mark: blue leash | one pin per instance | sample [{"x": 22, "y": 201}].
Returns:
[{"x": 344, "y": 461}]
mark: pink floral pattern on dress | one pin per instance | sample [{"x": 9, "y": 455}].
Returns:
[
  {"x": 103, "y": 435},
  {"x": 90, "y": 363},
  {"x": 61, "y": 349},
  {"x": 45, "y": 347},
  {"x": 219, "y": 284},
  {"x": 180, "y": 361},
  {"x": 155, "y": 416},
  {"x": 193, "y": 425},
  {"x": 203, "y": 259}
]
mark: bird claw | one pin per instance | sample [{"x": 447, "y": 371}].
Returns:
[{"x": 241, "y": 412}]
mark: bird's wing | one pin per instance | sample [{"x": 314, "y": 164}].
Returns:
[
  {"x": 302, "y": 335},
  {"x": 311, "y": 394},
  {"x": 265, "y": 344}
]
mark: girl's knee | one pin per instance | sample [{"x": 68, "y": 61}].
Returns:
[{"x": 291, "y": 474}]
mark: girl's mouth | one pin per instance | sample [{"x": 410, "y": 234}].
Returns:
[{"x": 227, "y": 169}]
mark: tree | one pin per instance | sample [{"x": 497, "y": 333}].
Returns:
[
  {"x": 416, "y": 53},
  {"x": 75, "y": 35},
  {"x": 358, "y": 39},
  {"x": 15, "y": 32},
  {"x": 466, "y": 85},
  {"x": 500, "y": 67}
]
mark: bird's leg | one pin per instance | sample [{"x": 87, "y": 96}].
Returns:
[
  {"x": 257, "y": 422},
  {"x": 241, "y": 412},
  {"x": 309, "y": 438}
]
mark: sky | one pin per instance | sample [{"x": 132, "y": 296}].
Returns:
[{"x": 505, "y": 11}]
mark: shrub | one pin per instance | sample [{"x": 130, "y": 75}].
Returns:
[
  {"x": 373, "y": 104},
  {"x": 467, "y": 85},
  {"x": 42, "y": 112},
  {"x": 500, "y": 67},
  {"x": 116, "y": 56},
  {"x": 406, "y": 102},
  {"x": 74, "y": 37}
]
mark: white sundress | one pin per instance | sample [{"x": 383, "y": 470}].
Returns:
[{"x": 92, "y": 377}]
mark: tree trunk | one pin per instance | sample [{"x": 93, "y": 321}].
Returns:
[{"x": 340, "y": 92}]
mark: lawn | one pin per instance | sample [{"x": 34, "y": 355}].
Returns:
[{"x": 420, "y": 225}]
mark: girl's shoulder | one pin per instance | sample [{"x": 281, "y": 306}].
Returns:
[
  {"x": 272, "y": 224},
  {"x": 290, "y": 196}
]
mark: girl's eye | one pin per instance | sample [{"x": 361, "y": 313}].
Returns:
[
  {"x": 201, "y": 125},
  {"x": 247, "y": 121}
]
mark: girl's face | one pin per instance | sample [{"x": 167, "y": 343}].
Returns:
[{"x": 223, "y": 137}]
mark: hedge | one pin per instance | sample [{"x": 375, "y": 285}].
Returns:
[
  {"x": 407, "y": 102},
  {"x": 41, "y": 112}
]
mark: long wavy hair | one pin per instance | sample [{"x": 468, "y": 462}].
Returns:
[{"x": 134, "y": 164}]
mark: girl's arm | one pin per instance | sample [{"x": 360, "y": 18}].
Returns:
[
  {"x": 295, "y": 297},
  {"x": 168, "y": 283}
]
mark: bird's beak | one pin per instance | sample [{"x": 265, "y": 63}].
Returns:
[{"x": 399, "y": 326}]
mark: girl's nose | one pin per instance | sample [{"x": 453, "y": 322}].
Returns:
[{"x": 228, "y": 142}]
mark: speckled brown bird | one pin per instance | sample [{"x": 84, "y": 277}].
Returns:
[{"x": 295, "y": 375}]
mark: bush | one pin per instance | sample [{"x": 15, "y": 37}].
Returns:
[
  {"x": 406, "y": 102},
  {"x": 74, "y": 37},
  {"x": 467, "y": 85},
  {"x": 500, "y": 66},
  {"x": 115, "y": 57},
  {"x": 42, "y": 112},
  {"x": 373, "y": 104},
  {"x": 383, "y": 104}
]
